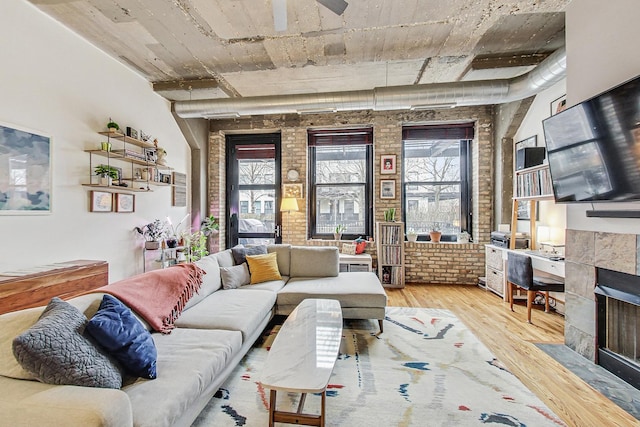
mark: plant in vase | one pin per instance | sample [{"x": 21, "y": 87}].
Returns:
[
  {"x": 196, "y": 244},
  {"x": 390, "y": 215},
  {"x": 112, "y": 126},
  {"x": 412, "y": 236},
  {"x": 152, "y": 233},
  {"x": 173, "y": 232},
  {"x": 337, "y": 234},
  {"x": 435, "y": 234},
  {"x": 107, "y": 174}
]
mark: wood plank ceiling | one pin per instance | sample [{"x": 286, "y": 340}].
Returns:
[{"x": 207, "y": 49}]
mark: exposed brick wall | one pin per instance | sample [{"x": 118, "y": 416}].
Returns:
[{"x": 425, "y": 262}]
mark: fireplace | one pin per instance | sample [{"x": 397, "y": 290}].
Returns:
[{"x": 618, "y": 324}]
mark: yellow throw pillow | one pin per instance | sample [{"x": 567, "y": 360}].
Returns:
[{"x": 263, "y": 268}]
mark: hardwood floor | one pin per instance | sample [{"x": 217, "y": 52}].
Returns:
[{"x": 511, "y": 339}]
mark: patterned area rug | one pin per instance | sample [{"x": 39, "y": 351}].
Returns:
[{"x": 426, "y": 369}]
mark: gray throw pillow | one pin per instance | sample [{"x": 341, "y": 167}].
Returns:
[
  {"x": 236, "y": 276},
  {"x": 240, "y": 254},
  {"x": 55, "y": 350}
]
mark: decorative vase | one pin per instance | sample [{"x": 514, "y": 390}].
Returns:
[
  {"x": 412, "y": 237},
  {"x": 172, "y": 242},
  {"x": 151, "y": 245},
  {"x": 105, "y": 181},
  {"x": 337, "y": 236},
  {"x": 435, "y": 236}
]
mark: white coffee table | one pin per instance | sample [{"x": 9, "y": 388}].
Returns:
[{"x": 302, "y": 358}]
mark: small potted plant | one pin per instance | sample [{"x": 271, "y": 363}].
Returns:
[
  {"x": 412, "y": 236},
  {"x": 107, "y": 174},
  {"x": 337, "y": 234},
  {"x": 390, "y": 215},
  {"x": 152, "y": 233},
  {"x": 435, "y": 234},
  {"x": 112, "y": 126}
]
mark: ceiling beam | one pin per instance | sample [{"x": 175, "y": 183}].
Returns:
[
  {"x": 185, "y": 85},
  {"x": 485, "y": 62}
]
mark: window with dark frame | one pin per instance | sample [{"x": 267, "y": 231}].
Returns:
[
  {"x": 341, "y": 182},
  {"x": 436, "y": 186}
]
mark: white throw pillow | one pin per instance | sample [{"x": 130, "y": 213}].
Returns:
[{"x": 236, "y": 276}]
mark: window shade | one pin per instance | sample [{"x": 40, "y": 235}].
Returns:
[
  {"x": 363, "y": 136},
  {"x": 449, "y": 131}
]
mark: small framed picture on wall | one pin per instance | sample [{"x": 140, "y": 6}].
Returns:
[
  {"x": 388, "y": 189},
  {"x": 388, "y": 164},
  {"x": 101, "y": 201},
  {"x": 125, "y": 202}
]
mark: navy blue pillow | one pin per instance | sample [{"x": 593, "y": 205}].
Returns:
[{"x": 116, "y": 329}]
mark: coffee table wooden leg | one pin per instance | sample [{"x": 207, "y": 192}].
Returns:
[
  {"x": 324, "y": 396},
  {"x": 272, "y": 408}
]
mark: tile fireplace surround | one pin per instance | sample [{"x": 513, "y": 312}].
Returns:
[{"x": 586, "y": 250}]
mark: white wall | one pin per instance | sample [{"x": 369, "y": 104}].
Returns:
[
  {"x": 551, "y": 214},
  {"x": 54, "y": 82},
  {"x": 601, "y": 53}
]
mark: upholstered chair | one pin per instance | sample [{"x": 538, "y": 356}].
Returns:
[{"x": 520, "y": 274}]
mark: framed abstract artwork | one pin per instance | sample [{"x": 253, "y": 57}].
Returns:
[
  {"x": 292, "y": 190},
  {"x": 101, "y": 201},
  {"x": 125, "y": 202},
  {"x": 25, "y": 171}
]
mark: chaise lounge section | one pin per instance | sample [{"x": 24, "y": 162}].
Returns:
[{"x": 215, "y": 330}]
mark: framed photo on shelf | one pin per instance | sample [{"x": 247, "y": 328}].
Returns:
[
  {"x": 292, "y": 190},
  {"x": 101, "y": 201},
  {"x": 388, "y": 164},
  {"x": 125, "y": 202},
  {"x": 33, "y": 150},
  {"x": 165, "y": 178},
  {"x": 388, "y": 189},
  {"x": 524, "y": 213},
  {"x": 532, "y": 141},
  {"x": 119, "y": 179},
  {"x": 558, "y": 105}
]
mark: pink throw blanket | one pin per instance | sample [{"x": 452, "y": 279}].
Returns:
[{"x": 158, "y": 296}]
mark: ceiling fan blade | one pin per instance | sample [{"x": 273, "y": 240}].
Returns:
[
  {"x": 335, "y": 6},
  {"x": 279, "y": 14}
]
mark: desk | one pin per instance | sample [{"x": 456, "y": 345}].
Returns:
[{"x": 496, "y": 267}]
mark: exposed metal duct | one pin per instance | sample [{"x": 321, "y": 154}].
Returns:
[{"x": 412, "y": 97}]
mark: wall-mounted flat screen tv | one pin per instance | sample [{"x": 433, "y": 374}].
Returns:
[{"x": 593, "y": 148}]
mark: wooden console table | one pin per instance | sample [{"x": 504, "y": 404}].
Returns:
[{"x": 64, "y": 280}]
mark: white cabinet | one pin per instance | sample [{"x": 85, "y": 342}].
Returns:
[
  {"x": 495, "y": 269},
  {"x": 359, "y": 262}
]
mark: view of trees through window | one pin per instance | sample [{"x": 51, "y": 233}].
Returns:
[
  {"x": 432, "y": 186},
  {"x": 340, "y": 178},
  {"x": 257, "y": 209}
]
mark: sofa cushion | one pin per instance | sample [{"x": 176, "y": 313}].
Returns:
[
  {"x": 357, "y": 289},
  {"x": 232, "y": 310},
  {"x": 225, "y": 258},
  {"x": 117, "y": 330},
  {"x": 236, "y": 276},
  {"x": 314, "y": 261},
  {"x": 263, "y": 268},
  {"x": 284, "y": 257},
  {"x": 271, "y": 285},
  {"x": 211, "y": 281},
  {"x": 189, "y": 361},
  {"x": 240, "y": 254},
  {"x": 55, "y": 350}
]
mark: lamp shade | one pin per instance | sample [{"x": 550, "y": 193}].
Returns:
[{"x": 289, "y": 204}]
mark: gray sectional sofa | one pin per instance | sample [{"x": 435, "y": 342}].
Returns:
[{"x": 215, "y": 330}]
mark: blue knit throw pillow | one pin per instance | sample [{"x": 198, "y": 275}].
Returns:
[{"x": 122, "y": 335}]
